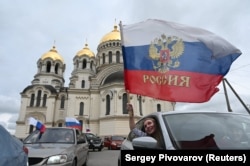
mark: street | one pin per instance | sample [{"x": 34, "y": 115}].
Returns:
[{"x": 103, "y": 158}]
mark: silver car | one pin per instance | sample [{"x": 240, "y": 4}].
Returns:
[
  {"x": 57, "y": 146},
  {"x": 194, "y": 130}
]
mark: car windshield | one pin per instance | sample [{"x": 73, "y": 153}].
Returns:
[
  {"x": 51, "y": 135},
  {"x": 89, "y": 135},
  {"x": 209, "y": 130},
  {"x": 117, "y": 138}
]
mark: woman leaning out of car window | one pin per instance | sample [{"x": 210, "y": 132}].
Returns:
[{"x": 150, "y": 127}]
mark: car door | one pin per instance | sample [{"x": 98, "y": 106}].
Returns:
[{"x": 81, "y": 148}]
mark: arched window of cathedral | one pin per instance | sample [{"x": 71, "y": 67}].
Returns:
[
  {"x": 84, "y": 64},
  {"x": 140, "y": 104},
  {"x": 81, "y": 111},
  {"x": 44, "y": 100},
  {"x": 107, "y": 105},
  {"x": 110, "y": 57},
  {"x": 62, "y": 102},
  {"x": 158, "y": 108},
  {"x": 91, "y": 65},
  {"x": 77, "y": 64},
  {"x": 48, "y": 67},
  {"x": 56, "y": 68},
  {"x": 83, "y": 83},
  {"x": 38, "y": 99},
  {"x": 117, "y": 56},
  {"x": 32, "y": 100},
  {"x": 124, "y": 103},
  {"x": 31, "y": 129},
  {"x": 40, "y": 67},
  {"x": 103, "y": 58}
]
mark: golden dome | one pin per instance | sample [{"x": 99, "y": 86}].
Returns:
[
  {"x": 85, "y": 51},
  {"x": 53, "y": 55},
  {"x": 113, "y": 35}
]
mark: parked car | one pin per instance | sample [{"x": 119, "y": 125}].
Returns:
[
  {"x": 94, "y": 141},
  {"x": 57, "y": 146},
  {"x": 113, "y": 142},
  {"x": 194, "y": 130},
  {"x": 13, "y": 151}
]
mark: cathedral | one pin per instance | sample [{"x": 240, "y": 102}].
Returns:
[{"x": 95, "y": 96}]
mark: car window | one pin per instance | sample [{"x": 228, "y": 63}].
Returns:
[
  {"x": 117, "y": 138},
  {"x": 81, "y": 137},
  {"x": 77, "y": 132},
  {"x": 90, "y": 135},
  {"x": 131, "y": 134},
  {"x": 207, "y": 130},
  {"x": 139, "y": 125}
]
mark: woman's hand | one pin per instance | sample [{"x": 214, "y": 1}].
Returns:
[{"x": 130, "y": 110}]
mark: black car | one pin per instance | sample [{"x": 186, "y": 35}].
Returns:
[{"x": 94, "y": 141}]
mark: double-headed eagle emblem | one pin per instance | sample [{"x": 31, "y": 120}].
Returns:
[{"x": 166, "y": 51}]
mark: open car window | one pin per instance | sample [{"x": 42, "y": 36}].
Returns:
[{"x": 138, "y": 125}]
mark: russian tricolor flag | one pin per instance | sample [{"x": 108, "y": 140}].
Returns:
[
  {"x": 39, "y": 126},
  {"x": 73, "y": 123},
  {"x": 174, "y": 62}
]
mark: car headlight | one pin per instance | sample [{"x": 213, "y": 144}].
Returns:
[{"x": 57, "y": 159}]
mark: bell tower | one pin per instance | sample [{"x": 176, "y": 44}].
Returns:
[
  {"x": 50, "y": 70},
  {"x": 84, "y": 67}
]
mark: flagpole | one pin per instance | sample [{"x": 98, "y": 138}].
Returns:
[
  {"x": 244, "y": 105},
  {"x": 121, "y": 33},
  {"x": 226, "y": 96}
]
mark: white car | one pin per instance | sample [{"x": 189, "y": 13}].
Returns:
[{"x": 194, "y": 130}]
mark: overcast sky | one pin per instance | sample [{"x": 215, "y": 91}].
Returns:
[{"x": 29, "y": 28}]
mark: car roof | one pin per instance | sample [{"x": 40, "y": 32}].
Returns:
[
  {"x": 59, "y": 128},
  {"x": 67, "y": 128},
  {"x": 158, "y": 114}
]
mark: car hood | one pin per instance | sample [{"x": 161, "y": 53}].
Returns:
[
  {"x": 117, "y": 141},
  {"x": 94, "y": 139},
  {"x": 44, "y": 149}
]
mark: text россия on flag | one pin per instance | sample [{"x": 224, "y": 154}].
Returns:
[{"x": 174, "y": 62}]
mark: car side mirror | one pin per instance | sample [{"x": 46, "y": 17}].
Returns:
[
  {"x": 144, "y": 143},
  {"x": 81, "y": 141}
]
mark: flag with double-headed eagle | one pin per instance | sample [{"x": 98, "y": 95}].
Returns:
[{"x": 174, "y": 62}]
